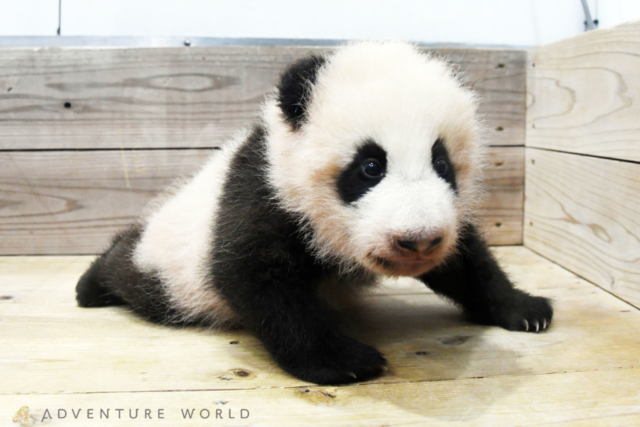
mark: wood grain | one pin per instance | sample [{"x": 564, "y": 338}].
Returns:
[
  {"x": 64, "y": 202},
  {"x": 580, "y": 399},
  {"x": 501, "y": 213},
  {"x": 72, "y": 202},
  {"x": 443, "y": 371},
  {"x": 583, "y": 94},
  {"x": 582, "y": 213},
  {"x": 54, "y": 98}
]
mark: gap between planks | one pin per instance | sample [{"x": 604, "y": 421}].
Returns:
[
  {"x": 592, "y": 156},
  {"x": 212, "y": 147}
]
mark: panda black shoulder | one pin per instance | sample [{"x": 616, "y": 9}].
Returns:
[{"x": 252, "y": 229}]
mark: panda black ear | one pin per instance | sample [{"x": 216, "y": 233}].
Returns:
[{"x": 294, "y": 87}]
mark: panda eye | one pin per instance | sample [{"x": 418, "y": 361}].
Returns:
[
  {"x": 441, "y": 166},
  {"x": 371, "y": 168}
]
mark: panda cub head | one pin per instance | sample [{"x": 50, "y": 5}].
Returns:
[{"x": 376, "y": 146}]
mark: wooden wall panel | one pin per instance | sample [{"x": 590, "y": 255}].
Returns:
[
  {"x": 583, "y": 116},
  {"x": 499, "y": 77},
  {"x": 54, "y": 98},
  {"x": 71, "y": 202},
  {"x": 583, "y": 213},
  {"x": 88, "y": 136},
  {"x": 501, "y": 213},
  {"x": 583, "y": 94}
]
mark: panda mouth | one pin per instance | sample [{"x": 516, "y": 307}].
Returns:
[{"x": 404, "y": 267}]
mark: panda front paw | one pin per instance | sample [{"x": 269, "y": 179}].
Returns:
[
  {"x": 520, "y": 312},
  {"x": 341, "y": 361}
]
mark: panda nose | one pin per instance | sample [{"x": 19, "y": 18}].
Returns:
[{"x": 421, "y": 245}]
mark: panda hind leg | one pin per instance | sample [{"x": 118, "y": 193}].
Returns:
[
  {"x": 92, "y": 289},
  {"x": 91, "y": 293},
  {"x": 114, "y": 279}
]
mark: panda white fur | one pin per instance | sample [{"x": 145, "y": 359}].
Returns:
[{"x": 365, "y": 163}]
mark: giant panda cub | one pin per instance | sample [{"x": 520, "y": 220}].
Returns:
[{"x": 365, "y": 163}]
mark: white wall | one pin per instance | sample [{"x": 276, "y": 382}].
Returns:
[
  {"x": 493, "y": 22},
  {"x": 614, "y": 12},
  {"x": 457, "y": 21},
  {"x": 28, "y": 17}
]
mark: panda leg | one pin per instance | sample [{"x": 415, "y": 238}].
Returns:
[
  {"x": 91, "y": 290},
  {"x": 91, "y": 293},
  {"x": 474, "y": 280},
  {"x": 287, "y": 315},
  {"x": 113, "y": 279}
]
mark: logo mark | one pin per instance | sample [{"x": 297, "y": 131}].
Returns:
[{"x": 22, "y": 415}]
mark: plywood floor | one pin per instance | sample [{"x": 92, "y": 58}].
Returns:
[{"x": 585, "y": 371}]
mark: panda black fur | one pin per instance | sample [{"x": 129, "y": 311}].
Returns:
[{"x": 365, "y": 163}]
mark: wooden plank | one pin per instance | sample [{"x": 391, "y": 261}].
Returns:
[
  {"x": 499, "y": 77},
  {"x": 581, "y": 399},
  {"x": 584, "y": 96},
  {"x": 423, "y": 337},
  {"x": 582, "y": 213},
  {"x": 583, "y": 371},
  {"x": 501, "y": 213},
  {"x": 189, "y": 97},
  {"x": 72, "y": 202}
]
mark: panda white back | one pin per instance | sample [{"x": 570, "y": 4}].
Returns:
[{"x": 177, "y": 240}]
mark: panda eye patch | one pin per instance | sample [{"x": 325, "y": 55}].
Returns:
[
  {"x": 366, "y": 170},
  {"x": 371, "y": 168},
  {"x": 442, "y": 164}
]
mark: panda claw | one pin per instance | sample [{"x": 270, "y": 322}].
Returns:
[
  {"x": 352, "y": 375},
  {"x": 529, "y": 314}
]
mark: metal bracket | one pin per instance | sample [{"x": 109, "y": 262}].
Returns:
[{"x": 589, "y": 23}]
